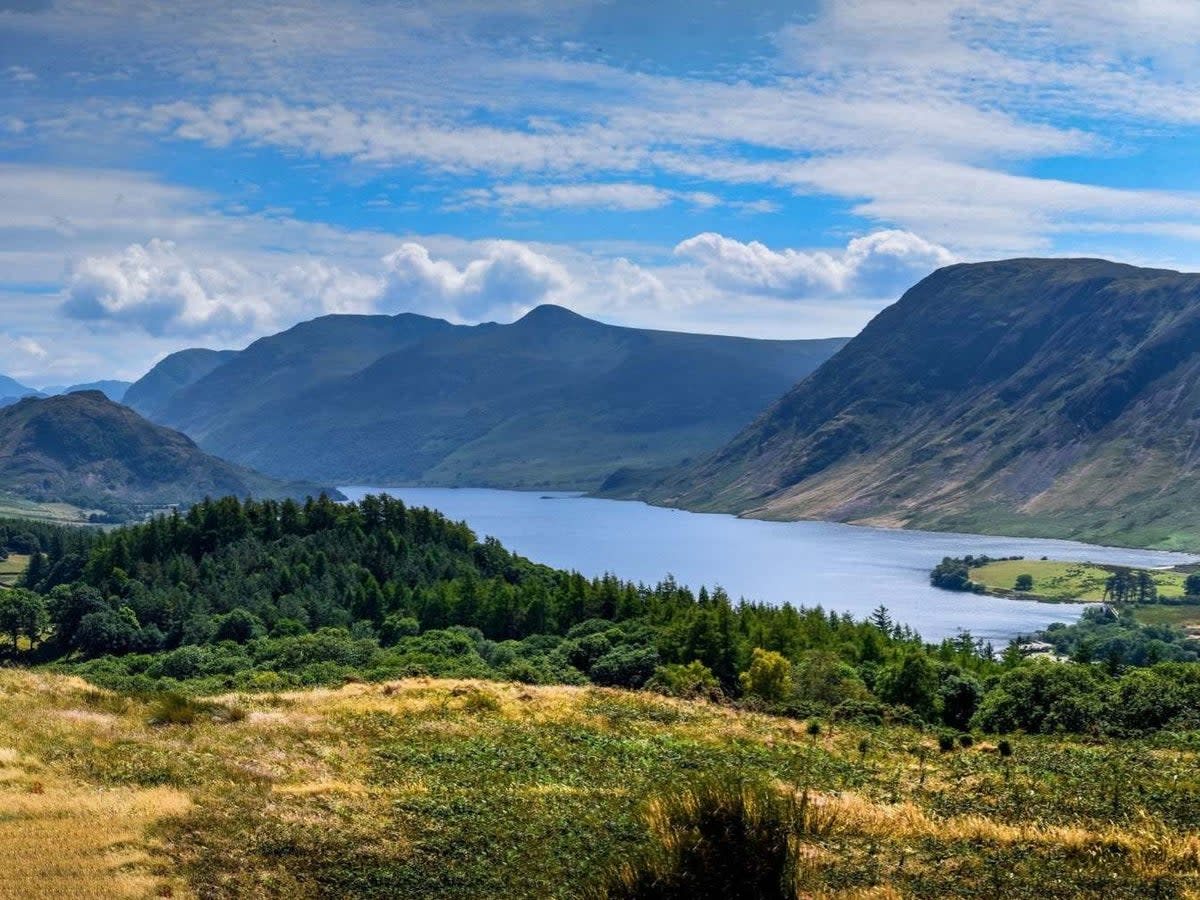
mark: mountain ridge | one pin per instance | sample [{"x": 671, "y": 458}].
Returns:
[
  {"x": 552, "y": 400},
  {"x": 1050, "y": 397}
]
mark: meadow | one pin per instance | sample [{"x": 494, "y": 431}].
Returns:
[
  {"x": 1055, "y": 580},
  {"x": 12, "y": 568},
  {"x": 458, "y": 788}
]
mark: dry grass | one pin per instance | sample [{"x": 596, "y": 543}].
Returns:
[
  {"x": 67, "y": 839},
  {"x": 98, "y": 802}
]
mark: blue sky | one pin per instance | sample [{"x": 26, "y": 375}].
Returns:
[{"x": 201, "y": 174}]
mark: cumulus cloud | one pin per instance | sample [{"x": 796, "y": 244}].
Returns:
[
  {"x": 509, "y": 277},
  {"x": 877, "y": 264},
  {"x": 157, "y": 288}
]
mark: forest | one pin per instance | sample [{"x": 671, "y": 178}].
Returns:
[{"x": 266, "y": 595}]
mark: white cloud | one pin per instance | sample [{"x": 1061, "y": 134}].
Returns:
[
  {"x": 876, "y": 265},
  {"x": 20, "y": 73},
  {"x": 158, "y": 289},
  {"x": 626, "y": 196},
  {"x": 14, "y": 349},
  {"x": 507, "y": 279}
]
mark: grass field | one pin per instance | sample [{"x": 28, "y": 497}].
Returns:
[
  {"x": 1065, "y": 580},
  {"x": 64, "y": 513},
  {"x": 450, "y": 789},
  {"x": 12, "y": 569}
]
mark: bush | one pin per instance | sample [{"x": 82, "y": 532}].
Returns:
[
  {"x": 239, "y": 626},
  {"x": 396, "y": 628},
  {"x": 692, "y": 681},
  {"x": 1045, "y": 697},
  {"x": 769, "y": 677},
  {"x": 723, "y": 841},
  {"x": 175, "y": 709},
  {"x": 629, "y": 667}
]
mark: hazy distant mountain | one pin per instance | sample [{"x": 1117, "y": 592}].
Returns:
[
  {"x": 1054, "y": 397},
  {"x": 150, "y": 394},
  {"x": 82, "y": 448},
  {"x": 553, "y": 400},
  {"x": 12, "y": 390},
  {"x": 113, "y": 390}
]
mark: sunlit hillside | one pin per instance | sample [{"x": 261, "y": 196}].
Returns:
[{"x": 447, "y": 789}]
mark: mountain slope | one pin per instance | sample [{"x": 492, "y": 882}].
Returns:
[
  {"x": 84, "y": 449},
  {"x": 12, "y": 390},
  {"x": 554, "y": 400},
  {"x": 1054, "y": 397},
  {"x": 150, "y": 394}
]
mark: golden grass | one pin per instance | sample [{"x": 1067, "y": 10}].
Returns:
[
  {"x": 66, "y": 839},
  {"x": 73, "y": 810}
]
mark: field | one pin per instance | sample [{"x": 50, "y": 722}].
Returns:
[
  {"x": 12, "y": 568},
  {"x": 60, "y": 513},
  {"x": 453, "y": 789},
  {"x": 1053, "y": 580}
]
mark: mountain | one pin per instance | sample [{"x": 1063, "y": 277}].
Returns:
[
  {"x": 85, "y": 450},
  {"x": 113, "y": 390},
  {"x": 12, "y": 390},
  {"x": 252, "y": 384},
  {"x": 1054, "y": 397},
  {"x": 150, "y": 394},
  {"x": 553, "y": 400}
]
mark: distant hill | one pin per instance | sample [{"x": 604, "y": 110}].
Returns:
[
  {"x": 1056, "y": 397},
  {"x": 113, "y": 390},
  {"x": 12, "y": 390},
  {"x": 150, "y": 394},
  {"x": 554, "y": 400},
  {"x": 83, "y": 449}
]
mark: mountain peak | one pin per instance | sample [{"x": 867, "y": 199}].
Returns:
[{"x": 552, "y": 315}]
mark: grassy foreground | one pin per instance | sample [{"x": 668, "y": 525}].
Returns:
[{"x": 457, "y": 789}]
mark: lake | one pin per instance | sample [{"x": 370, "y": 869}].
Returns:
[{"x": 842, "y": 567}]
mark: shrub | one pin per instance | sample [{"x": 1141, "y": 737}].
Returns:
[
  {"x": 175, "y": 709},
  {"x": 769, "y": 677},
  {"x": 478, "y": 702},
  {"x": 723, "y": 840},
  {"x": 240, "y": 626},
  {"x": 626, "y": 666},
  {"x": 692, "y": 681}
]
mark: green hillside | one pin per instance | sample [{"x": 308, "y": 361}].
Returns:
[
  {"x": 1050, "y": 397},
  {"x": 83, "y": 450}
]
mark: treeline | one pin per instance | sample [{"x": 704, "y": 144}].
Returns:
[
  {"x": 953, "y": 573},
  {"x": 267, "y": 595}
]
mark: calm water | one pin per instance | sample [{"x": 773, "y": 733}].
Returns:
[{"x": 840, "y": 567}]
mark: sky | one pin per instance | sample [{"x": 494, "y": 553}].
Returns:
[{"x": 205, "y": 173}]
